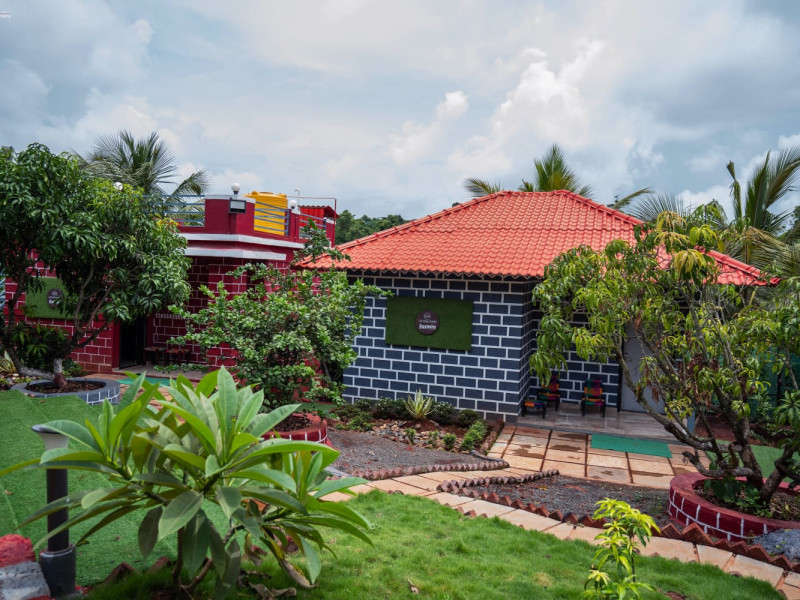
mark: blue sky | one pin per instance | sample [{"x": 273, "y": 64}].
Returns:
[{"x": 388, "y": 106}]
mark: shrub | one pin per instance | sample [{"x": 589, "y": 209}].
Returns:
[
  {"x": 347, "y": 412},
  {"x": 361, "y": 422},
  {"x": 618, "y": 546},
  {"x": 364, "y": 404},
  {"x": 467, "y": 417},
  {"x": 442, "y": 413},
  {"x": 411, "y": 434},
  {"x": 433, "y": 439},
  {"x": 204, "y": 445},
  {"x": 418, "y": 406},
  {"x": 474, "y": 436},
  {"x": 449, "y": 441},
  {"x": 389, "y": 408}
]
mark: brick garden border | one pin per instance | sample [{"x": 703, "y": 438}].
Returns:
[
  {"x": 316, "y": 432},
  {"x": 377, "y": 474},
  {"x": 693, "y": 533},
  {"x": 687, "y": 506}
]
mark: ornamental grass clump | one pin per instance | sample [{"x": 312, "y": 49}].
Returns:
[
  {"x": 419, "y": 406},
  {"x": 204, "y": 445}
]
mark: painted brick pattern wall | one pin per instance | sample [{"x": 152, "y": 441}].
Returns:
[
  {"x": 578, "y": 371},
  {"x": 492, "y": 377}
]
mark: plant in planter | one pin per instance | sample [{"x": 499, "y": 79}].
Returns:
[
  {"x": 292, "y": 331},
  {"x": 418, "y": 406},
  {"x": 706, "y": 344},
  {"x": 204, "y": 446}
]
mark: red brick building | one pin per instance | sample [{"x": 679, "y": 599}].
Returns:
[{"x": 223, "y": 232}]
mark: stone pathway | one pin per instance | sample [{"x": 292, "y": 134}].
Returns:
[{"x": 534, "y": 449}]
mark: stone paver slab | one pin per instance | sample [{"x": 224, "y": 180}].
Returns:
[
  {"x": 490, "y": 509},
  {"x": 604, "y": 452},
  {"x": 418, "y": 481},
  {"x": 567, "y": 457},
  {"x": 525, "y": 453},
  {"x": 564, "y": 468},
  {"x": 390, "y": 485},
  {"x": 520, "y": 462},
  {"x": 790, "y": 592},
  {"x": 519, "y": 471},
  {"x": 363, "y": 488},
  {"x": 587, "y": 534},
  {"x": 713, "y": 556},
  {"x": 608, "y": 474},
  {"x": 528, "y": 439},
  {"x": 604, "y": 460},
  {"x": 562, "y": 531},
  {"x": 792, "y": 579},
  {"x": 748, "y": 567},
  {"x": 648, "y": 458},
  {"x": 569, "y": 436},
  {"x": 680, "y": 550},
  {"x": 449, "y": 499},
  {"x": 528, "y": 520},
  {"x": 533, "y": 432},
  {"x": 649, "y": 466},
  {"x": 652, "y": 480},
  {"x": 527, "y": 445},
  {"x": 337, "y": 497}
]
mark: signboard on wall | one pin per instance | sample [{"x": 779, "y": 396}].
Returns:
[
  {"x": 429, "y": 322},
  {"x": 46, "y": 302}
]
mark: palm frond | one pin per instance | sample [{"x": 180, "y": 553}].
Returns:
[
  {"x": 480, "y": 187},
  {"x": 620, "y": 203}
]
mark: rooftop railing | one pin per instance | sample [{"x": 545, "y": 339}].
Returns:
[{"x": 186, "y": 210}]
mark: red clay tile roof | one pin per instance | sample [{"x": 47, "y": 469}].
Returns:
[{"x": 512, "y": 234}]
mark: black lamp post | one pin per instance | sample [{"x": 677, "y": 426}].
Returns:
[{"x": 58, "y": 561}]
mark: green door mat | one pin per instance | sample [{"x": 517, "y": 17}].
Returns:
[{"x": 632, "y": 445}]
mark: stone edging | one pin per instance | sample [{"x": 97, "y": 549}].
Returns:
[
  {"x": 693, "y": 533},
  {"x": 377, "y": 474},
  {"x": 110, "y": 390}
]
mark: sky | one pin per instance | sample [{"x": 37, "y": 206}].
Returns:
[{"x": 389, "y": 106}]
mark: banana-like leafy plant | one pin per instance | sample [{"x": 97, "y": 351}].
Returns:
[{"x": 203, "y": 445}]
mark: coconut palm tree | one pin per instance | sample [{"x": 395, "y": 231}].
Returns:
[{"x": 145, "y": 163}]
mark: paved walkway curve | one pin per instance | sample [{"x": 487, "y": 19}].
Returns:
[{"x": 425, "y": 485}]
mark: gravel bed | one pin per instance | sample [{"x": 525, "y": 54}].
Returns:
[
  {"x": 364, "y": 451},
  {"x": 578, "y": 496}
]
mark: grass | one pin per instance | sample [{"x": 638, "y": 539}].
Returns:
[
  {"x": 447, "y": 556},
  {"x": 442, "y": 553}
]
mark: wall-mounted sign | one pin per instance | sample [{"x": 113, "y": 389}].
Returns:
[
  {"x": 54, "y": 298},
  {"x": 427, "y": 322}
]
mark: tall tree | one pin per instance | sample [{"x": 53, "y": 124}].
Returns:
[
  {"x": 349, "y": 228},
  {"x": 551, "y": 173},
  {"x": 114, "y": 255},
  {"x": 145, "y": 163}
]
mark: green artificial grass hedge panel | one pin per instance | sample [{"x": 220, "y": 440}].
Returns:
[
  {"x": 37, "y": 301},
  {"x": 455, "y": 322}
]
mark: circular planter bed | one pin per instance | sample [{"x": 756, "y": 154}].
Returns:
[
  {"x": 317, "y": 431},
  {"x": 686, "y": 506},
  {"x": 104, "y": 389}
]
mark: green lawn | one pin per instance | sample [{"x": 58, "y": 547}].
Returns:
[{"x": 442, "y": 553}]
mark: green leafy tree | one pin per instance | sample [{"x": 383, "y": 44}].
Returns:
[
  {"x": 292, "y": 331},
  {"x": 707, "y": 346},
  {"x": 349, "y": 228},
  {"x": 114, "y": 254},
  {"x": 145, "y": 163},
  {"x": 204, "y": 446}
]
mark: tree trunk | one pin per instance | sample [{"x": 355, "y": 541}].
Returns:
[{"x": 58, "y": 373}]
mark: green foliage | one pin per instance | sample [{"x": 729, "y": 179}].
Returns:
[
  {"x": 411, "y": 434},
  {"x": 621, "y": 536},
  {"x": 449, "y": 441},
  {"x": 293, "y": 331},
  {"x": 111, "y": 249},
  {"x": 349, "y": 228},
  {"x": 738, "y": 495},
  {"x": 352, "y": 417},
  {"x": 38, "y": 345},
  {"x": 467, "y": 417},
  {"x": 706, "y": 344},
  {"x": 364, "y": 404},
  {"x": 203, "y": 446},
  {"x": 433, "y": 439},
  {"x": 390, "y": 408},
  {"x": 442, "y": 413},
  {"x": 474, "y": 436},
  {"x": 418, "y": 406}
]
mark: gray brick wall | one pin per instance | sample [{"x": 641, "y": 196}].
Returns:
[{"x": 492, "y": 378}]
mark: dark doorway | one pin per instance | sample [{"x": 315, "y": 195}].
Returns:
[{"x": 132, "y": 339}]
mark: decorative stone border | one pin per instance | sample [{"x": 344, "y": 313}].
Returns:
[
  {"x": 109, "y": 391},
  {"x": 377, "y": 474},
  {"x": 693, "y": 533},
  {"x": 687, "y": 506},
  {"x": 316, "y": 432}
]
